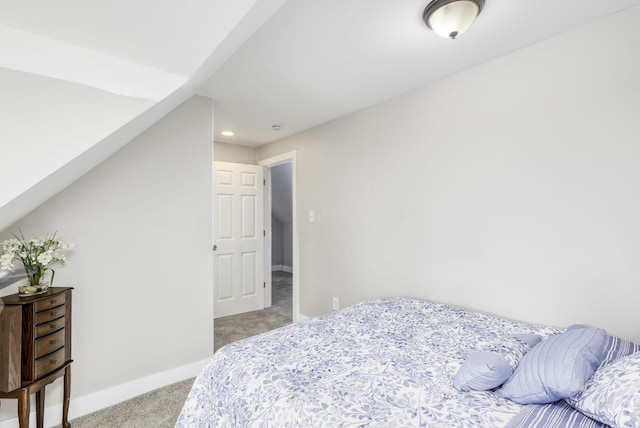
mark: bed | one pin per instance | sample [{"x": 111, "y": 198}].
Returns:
[{"x": 400, "y": 362}]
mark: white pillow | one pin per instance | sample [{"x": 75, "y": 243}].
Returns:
[{"x": 612, "y": 395}]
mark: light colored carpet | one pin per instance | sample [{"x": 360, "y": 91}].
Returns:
[
  {"x": 155, "y": 409},
  {"x": 236, "y": 327},
  {"x": 160, "y": 408}
]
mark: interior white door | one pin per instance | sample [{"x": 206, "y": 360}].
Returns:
[{"x": 238, "y": 232}]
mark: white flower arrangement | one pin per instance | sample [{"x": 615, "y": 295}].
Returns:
[{"x": 37, "y": 256}]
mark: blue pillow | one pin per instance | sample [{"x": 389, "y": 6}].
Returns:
[
  {"x": 482, "y": 371},
  {"x": 557, "y": 367},
  {"x": 492, "y": 366}
]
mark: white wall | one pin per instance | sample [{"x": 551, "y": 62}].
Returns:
[
  {"x": 281, "y": 207},
  {"x": 276, "y": 242},
  {"x": 281, "y": 245},
  {"x": 235, "y": 153},
  {"x": 142, "y": 269},
  {"x": 281, "y": 192},
  {"x": 287, "y": 246},
  {"x": 512, "y": 188}
]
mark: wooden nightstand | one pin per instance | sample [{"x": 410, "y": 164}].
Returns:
[{"x": 35, "y": 349}]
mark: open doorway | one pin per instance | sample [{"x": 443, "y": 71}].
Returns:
[
  {"x": 281, "y": 270},
  {"x": 281, "y": 245},
  {"x": 280, "y": 300}
]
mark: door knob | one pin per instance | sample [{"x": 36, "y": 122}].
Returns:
[{"x": 215, "y": 247}]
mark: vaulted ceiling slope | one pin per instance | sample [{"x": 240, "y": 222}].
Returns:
[{"x": 79, "y": 79}]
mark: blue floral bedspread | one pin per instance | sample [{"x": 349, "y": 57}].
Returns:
[{"x": 380, "y": 363}]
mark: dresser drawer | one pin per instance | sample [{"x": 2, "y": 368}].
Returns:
[
  {"x": 50, "y": 314},
  {"x": 49, "y": 327},
  {"x": 47, "y": 344},
  {"x": 49, "y": 363},
  {"x": 50, "y": 302}
]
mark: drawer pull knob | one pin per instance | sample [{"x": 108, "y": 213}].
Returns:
[
  {"x": 52, "y": 326},
  {"x": 53, "y": 342},
  {"x": 54, "y": 361},
  {"x": 53, "y": 301}
]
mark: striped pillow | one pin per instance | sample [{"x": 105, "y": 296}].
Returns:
[{"x": 557, "y": 367}]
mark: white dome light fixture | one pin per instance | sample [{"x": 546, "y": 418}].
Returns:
[{"x": 450, "y": 18}]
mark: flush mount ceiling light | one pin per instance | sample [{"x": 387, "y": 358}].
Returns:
[
  {"x": 450, "y": 18},
  {"x": 228, "y": 133}
]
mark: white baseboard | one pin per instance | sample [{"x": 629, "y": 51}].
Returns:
[
  {"x": 283, "y": 268},
  {"x": 300, "y": 318},
  {"x": 90, "y": 403}
]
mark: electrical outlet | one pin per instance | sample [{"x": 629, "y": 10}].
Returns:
[{"x": 336, "y": 303}]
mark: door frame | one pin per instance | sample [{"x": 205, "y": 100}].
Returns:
[{"x": 292, "y": 158}]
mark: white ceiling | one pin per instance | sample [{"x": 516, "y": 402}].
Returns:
[
  {"x": 174, "y": 36},
  {"x": 81, "y": 78},
  {"x": 142, "y": 48},
  {"x": 315, "y": 61}
]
